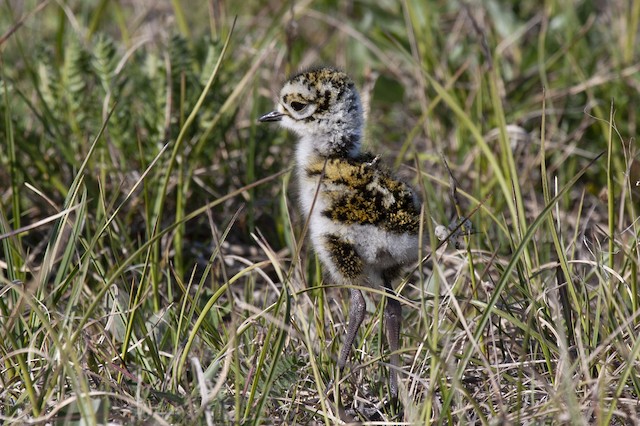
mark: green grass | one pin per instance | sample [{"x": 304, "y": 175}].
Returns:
[{"x": 153, "y": 265}]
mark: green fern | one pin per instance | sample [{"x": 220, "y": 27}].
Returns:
[
  {"x": 181, "y": 57},
  {"x": 104, "y": 61},
  {"x": 287, "y": 374},
  {"x": 49, "y": 84},
  {"x": 73, "y": 82}
]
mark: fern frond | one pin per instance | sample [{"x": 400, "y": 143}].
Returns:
[{"x": 104, "y": 61}]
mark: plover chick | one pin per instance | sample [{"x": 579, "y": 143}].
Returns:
[{"x": 363, "y": 221}]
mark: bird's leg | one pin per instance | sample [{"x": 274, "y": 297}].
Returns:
[
  {"x": 356, "y": 315},
  {"x": 393, "y": 318}
]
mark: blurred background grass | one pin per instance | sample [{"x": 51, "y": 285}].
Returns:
[{"x": 152, "y": 266}]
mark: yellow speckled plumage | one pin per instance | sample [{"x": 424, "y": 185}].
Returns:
[
  {"x": 366, "y": 193},
  {"x": 363, "y": 221},
  {"x": 345, "y": 256}
]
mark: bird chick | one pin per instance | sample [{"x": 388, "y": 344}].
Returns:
[{"x": 363, "y": 221}]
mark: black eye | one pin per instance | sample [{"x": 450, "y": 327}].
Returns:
[{"x": 298, "y": 106}]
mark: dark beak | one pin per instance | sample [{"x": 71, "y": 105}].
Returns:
[{"x": 272, "y": 116}]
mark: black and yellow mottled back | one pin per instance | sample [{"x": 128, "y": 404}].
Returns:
[{"x": 364, "y": 192}]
